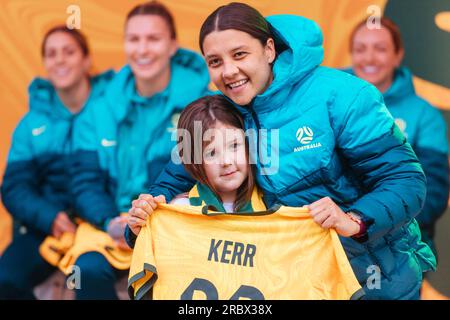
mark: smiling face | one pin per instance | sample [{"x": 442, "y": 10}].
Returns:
[
  {"x": 64, "y": 61},
  {"x": 149, "y": 47},
  {"x": 374, "y": 57},
  {"x": 238, "y": 64},
  {"x": 225, "y": 160}
]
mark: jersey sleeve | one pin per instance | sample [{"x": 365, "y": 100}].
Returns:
[{"x": 143, "y": 273}]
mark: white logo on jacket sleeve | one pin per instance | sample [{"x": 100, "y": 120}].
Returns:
[
  {"x": 38, "y": 131},
  {"x": 108, "y": 143},
  {"x": 305, "y": 137}
]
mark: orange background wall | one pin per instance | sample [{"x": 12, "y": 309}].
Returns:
[{"x": 24, "y": 22}]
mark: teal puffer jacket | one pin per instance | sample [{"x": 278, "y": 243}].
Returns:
[{"x": 336, "y": 139}]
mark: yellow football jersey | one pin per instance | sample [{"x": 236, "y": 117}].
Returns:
[
  {"x": 64, "y": 252},
  {"x": 184, "y": 254}
]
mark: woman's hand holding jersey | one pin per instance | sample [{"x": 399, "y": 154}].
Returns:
[
  {"x": 141, "y": 209},
  {"x": 328, "y": 215}
]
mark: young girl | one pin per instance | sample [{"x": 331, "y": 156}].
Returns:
[{"x": 224, "y": 175}]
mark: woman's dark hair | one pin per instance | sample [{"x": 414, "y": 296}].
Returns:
[
  {"x": 208, "y": 110},
  {"x": 389, "y": 25},
  {"x": 79, "y": 38},
  {"x": 237, "y": 16},
  {"x": 154, "y": 8}
]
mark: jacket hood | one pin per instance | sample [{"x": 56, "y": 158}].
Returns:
[
  {"x": 299, "y": 48},
  {"x": 43, "y": 97}
]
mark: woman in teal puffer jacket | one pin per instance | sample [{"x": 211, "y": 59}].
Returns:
[
  {"x": 339, "y": 150},
  {"x": 35, "y": 188},
  {"x": 377, "y": 55}
]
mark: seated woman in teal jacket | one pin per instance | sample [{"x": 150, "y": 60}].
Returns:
[
  {"x": 376, "y": 57},
  {"x": 123, "y": 144},
  {"x": 339, "y": 150},
  {"x": 35, "y": 188}
]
